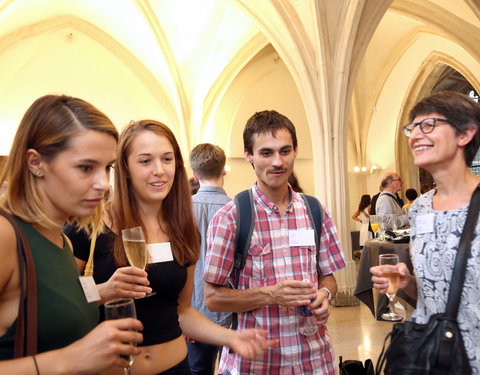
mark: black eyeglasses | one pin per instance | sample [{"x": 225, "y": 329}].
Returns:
[{"x": 426, "y": 126}]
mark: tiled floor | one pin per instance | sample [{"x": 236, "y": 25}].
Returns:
[{"x": 356, "y": 334}]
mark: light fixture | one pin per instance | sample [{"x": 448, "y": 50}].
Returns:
[{"x": 364, "y": 169}]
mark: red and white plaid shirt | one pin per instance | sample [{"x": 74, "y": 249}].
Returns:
[{"x": 270, "y": 260}]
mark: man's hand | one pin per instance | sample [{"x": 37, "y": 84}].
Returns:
[{"x": 293, "y": 293}]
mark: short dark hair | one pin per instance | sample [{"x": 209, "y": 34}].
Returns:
[
  {"x": 411, "y": 194},
  {"x": 461, "y": 111},
  {"x": 207, "y": 161},
  {"x": 266, "y": 122}
]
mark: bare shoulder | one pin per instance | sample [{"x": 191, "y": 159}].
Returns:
[{"x": 8, "y": 252}]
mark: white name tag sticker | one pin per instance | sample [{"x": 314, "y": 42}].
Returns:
[
  {"x": 301, "y": 237},
  {"x": 89, "y": 288},
  {"x": 425, "y": 223},
  {"x": 159, "y": 252}
]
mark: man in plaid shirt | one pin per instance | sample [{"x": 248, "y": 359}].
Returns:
[{"x": 280, "y": 273}]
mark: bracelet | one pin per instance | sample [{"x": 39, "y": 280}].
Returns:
[
  {"x": 36, "y": 364},
  {"x": 329, "y": 294}
]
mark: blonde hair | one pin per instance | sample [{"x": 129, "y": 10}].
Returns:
[{"x": 47, "y": 127}]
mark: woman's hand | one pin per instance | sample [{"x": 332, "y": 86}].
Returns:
[
  {"x": 250, "y": 343},
  {"x": 381, "y": 283},
  {"x": 103, "y": 347},
  {"x": 126, "y": 282}
]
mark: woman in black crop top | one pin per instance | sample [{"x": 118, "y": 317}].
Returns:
[
  {"x": 58, "y": 168},
  {"x": 152, "y": 191}
]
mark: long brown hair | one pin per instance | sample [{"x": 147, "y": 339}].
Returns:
[
  {"x": 176, "y": 207},
  {"x": 47, "y": 127}
]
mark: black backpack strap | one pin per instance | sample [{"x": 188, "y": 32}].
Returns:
[
  {"x": 244, "y": 223},
  {"x": 315, "y": 212}
]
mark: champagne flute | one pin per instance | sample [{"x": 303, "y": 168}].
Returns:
[
  {"x": 136, "y": 249},
  {"x": 375, "y": 224},
  {"x": 119, "y": 309},
  {"x": 390, "y": 272}
]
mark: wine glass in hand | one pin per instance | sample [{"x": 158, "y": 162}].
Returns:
[
  {"x": 389, "y": 261},
  {"x": 120, "y": 309},
  {"x": 136, "y": 248}
]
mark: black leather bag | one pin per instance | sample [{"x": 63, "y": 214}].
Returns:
[
  {"x": 353, "y": 367},
  {"x": 432, "y": 348},
  {"x": 437, "y": 346}
]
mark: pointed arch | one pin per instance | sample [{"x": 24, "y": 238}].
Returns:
[{"x": 422, "y": 86}]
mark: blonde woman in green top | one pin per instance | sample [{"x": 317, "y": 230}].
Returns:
[{"x": 58, "y": 169}]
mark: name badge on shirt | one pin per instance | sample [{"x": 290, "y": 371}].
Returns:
[
  {"x": 159, "y": 252},
  {"x": 301, "y": 237},
  {"x": 89, "y": 288},
  {"x": 425, "y": 223}
]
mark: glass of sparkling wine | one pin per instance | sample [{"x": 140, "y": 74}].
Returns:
[
  {"x": 389, "y": 261},
  {"x": 119, "y": 309},
  {"x": 136, "y": 248}
]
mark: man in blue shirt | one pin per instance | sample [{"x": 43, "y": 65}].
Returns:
[{"x": 208, "y": 165}]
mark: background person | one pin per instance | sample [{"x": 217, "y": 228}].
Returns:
[
  {"x": 444, "y": 138},
  {"x": 361, "y": 215},
  {"x": 58, "y": 168},
  {"x": 387, "y": 202},
  {"x": 411, "y": 194},
  {"x": 208, "y": 165}
]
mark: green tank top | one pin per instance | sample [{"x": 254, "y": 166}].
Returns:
[{"x": 64, "y": 315}]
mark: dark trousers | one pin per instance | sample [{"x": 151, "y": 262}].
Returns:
[
  {"x": 202, "y": 357},
  {"x": 180, "y": 369}
]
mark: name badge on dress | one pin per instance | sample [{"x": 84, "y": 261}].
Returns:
[
  {"x": 425, "y": 223},
  {"x": 301, "y": 237},
  {"x": 89, "y": 288},
  {"x": 159, "y": 252}
]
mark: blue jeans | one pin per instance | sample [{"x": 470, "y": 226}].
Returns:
[{"x": 202, "y": 357}]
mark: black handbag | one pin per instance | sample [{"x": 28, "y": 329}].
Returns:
[
  {"x": 437, "y": 346},
  {"x": 354, "y": 367}
]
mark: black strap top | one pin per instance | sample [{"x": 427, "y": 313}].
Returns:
[{"x": 158, "y": 313}]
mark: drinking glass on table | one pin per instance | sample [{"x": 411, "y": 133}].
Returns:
[
  {"x": 383, "y": 221},
  {"x": 119, "y": 309},
  {"x": 136, "y": 249},
  {"x": 375, "y": 224},
  {"x": 395, "y": 222},
  {"x": 389, "y": 262}
]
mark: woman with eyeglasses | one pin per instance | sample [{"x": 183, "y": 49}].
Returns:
[{"x": 444, "y": 138}]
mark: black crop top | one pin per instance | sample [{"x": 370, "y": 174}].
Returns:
[{"x": 157, "y": 313}]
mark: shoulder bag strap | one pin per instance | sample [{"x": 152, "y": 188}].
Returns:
[
  {"x": 463, "y": 253},
  {"x": 26, "y": 339}
]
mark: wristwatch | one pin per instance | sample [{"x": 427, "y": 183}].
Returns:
[{"x": 329, "y": 294}]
